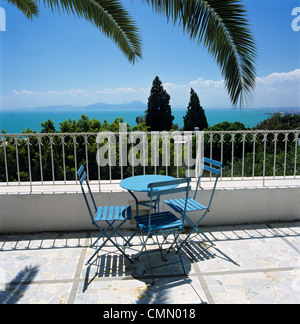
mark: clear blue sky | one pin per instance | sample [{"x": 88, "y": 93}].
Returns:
[{"x": 59, "y": 59}]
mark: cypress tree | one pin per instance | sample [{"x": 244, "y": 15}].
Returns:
[
  {"x": 159, "y": 114},
  {"x": 195, "y": 115}
]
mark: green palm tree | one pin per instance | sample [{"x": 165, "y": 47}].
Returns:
[{"x": 220, "y": 25}]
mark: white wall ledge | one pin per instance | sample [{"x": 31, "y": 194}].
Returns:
[
  {"x": 107, "y": 186},
  {"x": 62, "y": 208}
]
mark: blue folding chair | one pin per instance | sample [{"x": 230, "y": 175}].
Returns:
[
  {"x": 164, "y": 223},
  {"x": 105, "y": 214},
  {"x": 191, "y": 205}
]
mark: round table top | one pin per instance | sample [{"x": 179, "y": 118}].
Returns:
[{"x": 140, "y": 183}]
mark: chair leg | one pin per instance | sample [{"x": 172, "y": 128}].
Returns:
[
  {"x": 116, "y": 229},
  {"x": 202, "y": 233},
  {"x": 160, "y": 245},
  {"x": 198, "y": 231},
  {"x": 149, "y": 263},
  {"x": 174, "y": 242},
  {"x": 143, "y": 245},
  {"x": 131, "y": 237},
  {"x": 179, "y": 254},
  {"x": 103, "y": 232},
  {"x": 195, "y": 228},
  {"x": 108, "y": 238}
]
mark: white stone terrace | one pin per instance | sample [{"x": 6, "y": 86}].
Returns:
[{"x": 249, "y": 264}]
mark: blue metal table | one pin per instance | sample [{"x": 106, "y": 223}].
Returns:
[{"x": 140, "y": 184}]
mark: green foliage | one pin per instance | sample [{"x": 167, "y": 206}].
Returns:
[
  {"x": 195, "y": 115},
  {"x": 159, "y": 115},
  {"x": 56, "y": 156},
  {"x": 277, "y": 122}
]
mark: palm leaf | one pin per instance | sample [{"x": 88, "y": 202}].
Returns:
[
  {"x": 222, "y": 27},
  {"x": 111, "y": 19},
  {"x": 108, "y": 16},
  {"x": 28, "y": 7}
]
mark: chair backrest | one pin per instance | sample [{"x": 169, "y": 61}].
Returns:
[
  {"x": 214, "y": 167},
  {"x": 90, "y": 205},
  {"x": 163, "y": 188}
]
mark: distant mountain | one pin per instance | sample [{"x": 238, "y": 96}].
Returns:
[{"x": 134, "y": 105}]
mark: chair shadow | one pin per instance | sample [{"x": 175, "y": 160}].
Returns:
[
  {"x": 200, "y": 250},
  {"x": 115, "y": 265},
  {"x": 167, "y": 278},
  {"x": 196, "y": 250}
]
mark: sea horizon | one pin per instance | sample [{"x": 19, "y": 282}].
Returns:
[{"x": 16, "y": 121}]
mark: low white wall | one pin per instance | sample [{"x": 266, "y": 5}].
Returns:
[{"x": 67, "y": 211}]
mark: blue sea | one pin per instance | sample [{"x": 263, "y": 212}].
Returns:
[{"x": 18, "y": 121}]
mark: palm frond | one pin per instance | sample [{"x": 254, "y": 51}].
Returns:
[
  {"x": 110, "y": 17},
  {"x": 222, "y": 27},
  {"x": 28, "y": 7}
]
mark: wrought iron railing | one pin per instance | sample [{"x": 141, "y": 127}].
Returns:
[{"x": 41, "y": 159}]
